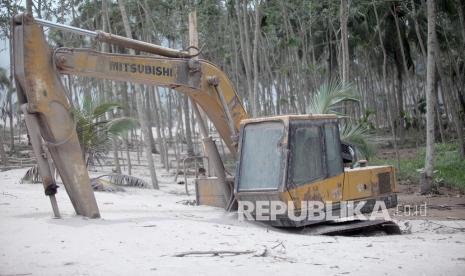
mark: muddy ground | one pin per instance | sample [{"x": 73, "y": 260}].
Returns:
[{"x": 447, "y": 204}]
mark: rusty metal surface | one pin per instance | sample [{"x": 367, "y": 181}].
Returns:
[
  {"x": 48, "y": 181},
  {"x": 358, "y": 184},
  {"x": 119, "y": 40},
  {"x": 37, "y": 70},
  {"x": 284, "y": 221},
  {"x": 173, "y": 69},
  {"x": 291, "y": 117},
  {"x": 139, "y": 69},
  {"x": 40, "y": 89},
  {"x": 141, "y": 45},
  {"x": 365, "y": 182},
  {"x": 172, "y": 73},
  {"x": 209, "y": 192}
]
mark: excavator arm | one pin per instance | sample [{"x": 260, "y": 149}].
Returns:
[
  {"x": 46, "y": 108},
  {"x": 205, "y": 83}
]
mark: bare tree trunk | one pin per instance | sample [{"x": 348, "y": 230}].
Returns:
[
  {"x": 190, "y": 145},
  {"x": 10, "y": 116},
  {"x": 125, "y": 98},
  {"x": 244, "y": 41},
  {"x": 426, "y": 180},
  {"x": 437, "y": 110},
  {"x": 255, "y": 59},
  {"x": 344, "y": 14},
  {"x": 10, "y": 93},
  {"x": 402, "y": 86},
  {"x": 385, "y": 87},
  {"x": 198, "y": 112},
  {"x": 140, "y": 106},
  {"x": 161, "y": 127},
  {"x": 3, "y": 153},
  {"x": 106, "y": 92},
  {"x": 417, "y": 29},
  {"x": 29, "y": 6},
  {"x": 461, "y": 19},
  {"x": 170, "y": 116},
  {"x": 447, "y": 93}
]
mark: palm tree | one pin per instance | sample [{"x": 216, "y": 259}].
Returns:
[
  {"x": 329, "y": 99},
  {"x": 95, "y": 131},
  {"x": 357, "y": 134}
]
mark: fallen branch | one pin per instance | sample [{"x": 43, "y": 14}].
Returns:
[
  {"x": 214, "y": 253},
  {"x": 7, "y": 194},
  {"x": 280, "y": 243}
]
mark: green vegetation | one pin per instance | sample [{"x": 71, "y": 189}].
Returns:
[
  {"x": 449, "y": 167},
  {"x": 96, "y": 129},
  {"x": 329, "y": 98}
]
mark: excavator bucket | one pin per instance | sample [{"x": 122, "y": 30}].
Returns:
[{"x": 48, "y": 119}]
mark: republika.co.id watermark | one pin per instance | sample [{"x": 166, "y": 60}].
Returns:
[{"x": 322, "y": 211}]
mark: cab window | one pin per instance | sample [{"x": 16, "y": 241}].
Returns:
[
  {"x": 261, "y": 156},
  {"x": 307, "y": 159},
  {"x": 333, "y": 149}
]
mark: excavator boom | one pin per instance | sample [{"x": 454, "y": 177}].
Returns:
[{"x": 196, "y": 78}]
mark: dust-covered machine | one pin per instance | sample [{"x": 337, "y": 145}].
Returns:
[{"x": 288, "y": 159}]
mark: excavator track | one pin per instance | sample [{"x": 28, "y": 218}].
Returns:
[{"x": 353, "y": 227}]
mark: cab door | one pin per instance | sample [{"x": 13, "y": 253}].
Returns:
[{"x": 315, "y": 171}]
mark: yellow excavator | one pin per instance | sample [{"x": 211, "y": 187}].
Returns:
[{"x": 288, "y": 158}]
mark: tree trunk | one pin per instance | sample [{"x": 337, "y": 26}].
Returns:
[
  {"x": 448, "y": 97},
  {"x": 344, "y": 14},
  {"x": 170, "y": 115},
  {"x": 406, "y": 71},
  {"x": 161, "y": 128},
  {"x": 417, "y": 29},
  {"x": 190, "y": 145},
  {"x": 140, "y": 106},
  {"x": 461, "y": 19},
  {"x": 3, "y": 153},
  {"x": 385, "y": 87},
  {"x": 29, "y": 6},
  {"x": 244, "y": 41},
  {"x": 426, "y": 180},
  {"x": 150, "y": 102},
  {"x": 255, "y": 59},
  {"x": 106, "y": 92}
]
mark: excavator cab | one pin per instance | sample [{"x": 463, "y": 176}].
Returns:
[
  {"x": 296, "y": 159},
  {"x": 288, "y": 152}
]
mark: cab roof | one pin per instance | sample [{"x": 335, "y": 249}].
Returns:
[{"x": 287, "y": 118}]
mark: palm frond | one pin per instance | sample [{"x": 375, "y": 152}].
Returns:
[
  {"x": 31, "y": 176},
  {"x": 103, "y": 185},
  {"x": 328, "y": 97},
  {"x": 126, "y": 180},
  {"x": 87, "y": 105},
  {"x": 122, "y": 125},
  {"x": 102, "y": 109},
  {"x": 95, "y": 132},
  {"x": 357, "y": 136}
]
